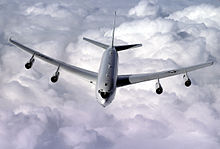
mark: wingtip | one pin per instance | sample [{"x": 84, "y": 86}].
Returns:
[
  {"x": 209, "y": 63},
  {"x": 84, "y": 38},
  {"x": 138, "y": 45},
  {"x": 9, "y": 39}
]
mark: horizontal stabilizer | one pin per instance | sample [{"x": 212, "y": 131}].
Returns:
[
  {"x": 99, "y": 44},
  {"x": 125, "y": 47}
]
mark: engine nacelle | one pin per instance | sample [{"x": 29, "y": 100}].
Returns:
[
  {"x": 187, "y": 80},
  {"x": 159, "y": 88},
  {"x": 29, "y": 64},
  {"x": 55, "y": 78}
]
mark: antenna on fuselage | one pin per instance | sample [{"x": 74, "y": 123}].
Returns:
[{"x": 113, "y": 32}]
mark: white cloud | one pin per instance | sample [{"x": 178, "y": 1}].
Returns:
[
  {"x": 145, "y": 8},
  {"x": 35, "y": 113},
  {"x": 53, "y": 10},
  {"x": 207, "y": 14}
]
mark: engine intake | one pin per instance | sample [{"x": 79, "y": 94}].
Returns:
[
  {"x": 29, "y": 64},
  {"x": 159, "y": 88},
  {"x": 187, "y": 80},
  {"x": 55, "y": 78}
]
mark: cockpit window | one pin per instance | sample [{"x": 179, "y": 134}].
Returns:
[{"x": 104, "y": 94}]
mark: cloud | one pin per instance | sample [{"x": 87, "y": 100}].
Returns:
[
  {"x": 37, "y": 114},
  {"x": 145, "y": 8},
  {"x": 207, "y": 14}
]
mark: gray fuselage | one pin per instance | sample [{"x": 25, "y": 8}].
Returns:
[{"x": 107, "y": 77}]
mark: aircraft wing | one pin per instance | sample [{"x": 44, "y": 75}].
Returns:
[
  {"x": 123, "y": 80},
  {"x": 89, "y": 75}
]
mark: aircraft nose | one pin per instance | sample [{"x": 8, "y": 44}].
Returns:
[
  {"x": 104, "y": 95},
  {"x": 103, "y": 105},
  {"x": 103, "y": 101}
]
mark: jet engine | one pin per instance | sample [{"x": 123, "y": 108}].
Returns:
[
  {"x": 29, "y": 64},
  {"x": 55, "y": 78},
  {"x": 159, "y": 88},
  {"x": 187, "y": 80}
]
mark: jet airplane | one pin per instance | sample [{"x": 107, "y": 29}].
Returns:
[{"x": 107, "y": 79}]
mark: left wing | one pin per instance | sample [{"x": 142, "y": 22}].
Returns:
[
  {"x": 89, "y": 75},
  {"x": 99, "y": 44},
  {"x": 123, "y": 80}
]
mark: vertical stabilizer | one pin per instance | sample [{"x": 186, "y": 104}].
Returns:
[{"x": 113, "y": 32}]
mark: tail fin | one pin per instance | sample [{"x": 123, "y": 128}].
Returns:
[
  {"x": 122, "y": 47},
  {"x": 118, "y": 48},
  {"x": 113, "y": 32}
]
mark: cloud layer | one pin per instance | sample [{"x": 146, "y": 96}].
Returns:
[{"x": 36, "y": 114}]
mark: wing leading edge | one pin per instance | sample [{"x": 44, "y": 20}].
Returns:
[
  {"x": 123, "y": 80},
  {"x": 89, "y": 75}
]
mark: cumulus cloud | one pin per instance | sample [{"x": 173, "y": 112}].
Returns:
[
  {"x": 204, "y": 13},
  {"x": 37, "y": 114},
  {"x": 145, "y": 8}
]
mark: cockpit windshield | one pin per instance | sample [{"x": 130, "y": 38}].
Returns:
[{"x": 104, "y": 94}]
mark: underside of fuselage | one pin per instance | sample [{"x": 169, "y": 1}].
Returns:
[{"x": 108, "y": 71}]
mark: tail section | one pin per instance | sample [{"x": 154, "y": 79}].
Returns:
[
  {"x": 122, "y": 47},
  {"x": 113, "y": 31},
  {"x": 118, "y": 48}
]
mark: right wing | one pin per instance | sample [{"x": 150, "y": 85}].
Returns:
[
  {"x": 89, "y": 75},
  {"x": 123, "y": 80}
]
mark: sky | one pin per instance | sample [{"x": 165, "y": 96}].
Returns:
[{"x": 37, "y": 114}]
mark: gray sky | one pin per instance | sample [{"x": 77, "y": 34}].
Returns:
[{"x": 37, "y": 114}]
